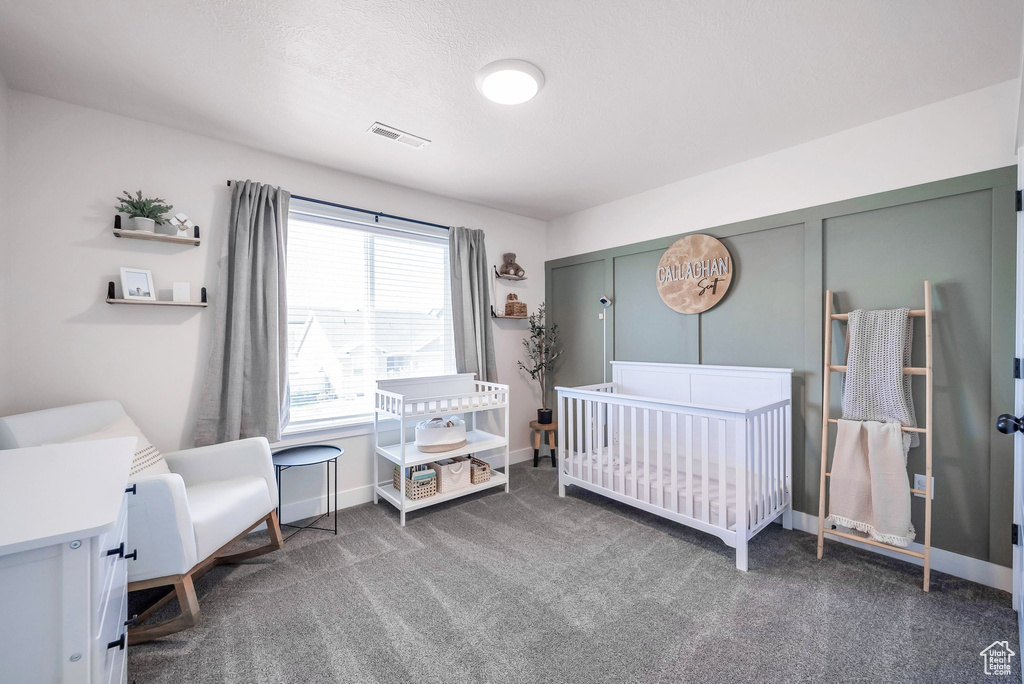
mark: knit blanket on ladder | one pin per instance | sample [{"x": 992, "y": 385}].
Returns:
[
  {"x": 869, "y": 489},
  {"x": 875, "y": 387}
]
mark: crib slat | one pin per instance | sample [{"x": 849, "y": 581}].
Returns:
[
  {"x": 647, "y": 455},
  {"x": 758, "y": 456},
  {"x": 705, "y": 497},
  {"x": 688, "y": 448},
  {"x": 622, "y": 450},
  {"x": 764, "y": 459},
  {"x": 777, "y": 451},
  {"x": 723, "y": 490},
  {"x": 599, "y": 408},
  {"x": 674, "y": 426},
  {"x": 748, "y": 473},
  {"x": 661, "y": 465},
  {"x": 580, "y": 444},
  {"x": 633, "y": 442}
]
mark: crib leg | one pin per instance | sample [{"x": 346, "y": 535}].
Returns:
[
  {"x": 741, "y": 556},
  {"x": 561, "y": 487},
  {"x": 787, "y": 519}
]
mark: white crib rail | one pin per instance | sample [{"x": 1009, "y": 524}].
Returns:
[{"x": 677, "y": 459}]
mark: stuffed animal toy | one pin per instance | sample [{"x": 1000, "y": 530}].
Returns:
[{"x": 510, "y": 267}]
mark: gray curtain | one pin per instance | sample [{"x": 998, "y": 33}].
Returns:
[
  {"x": 471, "y": 303},
  {"x": 246, "y": 388}
]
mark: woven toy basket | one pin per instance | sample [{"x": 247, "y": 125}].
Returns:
[
  {"x": 452, "y": 477},
  {"x": 514, "y": 307},
  {"x": 420, "y": 489},
  {"x": 480, "y": 471}
]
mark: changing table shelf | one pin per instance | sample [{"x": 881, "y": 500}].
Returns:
[
  {"x": 399, "y": 405},
  {"x": 388, "y": 491},
  {"x": 476, "y": 441}
]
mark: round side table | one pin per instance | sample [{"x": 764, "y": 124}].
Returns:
[
  {"x": 298, "y": 457},
  {"x": 538, "y": 431}
]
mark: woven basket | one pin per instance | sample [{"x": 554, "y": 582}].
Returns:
[
  {"x": 420, "y": 489},
  {"x": 514, "y": 307},
  {"x": 454, "y": 476},
  {"x": 480, "y": 471}
]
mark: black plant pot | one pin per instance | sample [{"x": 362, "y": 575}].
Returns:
[{"x": 544, "y": 416}]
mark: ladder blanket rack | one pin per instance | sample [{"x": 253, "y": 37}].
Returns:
[{"x": 925, "y": 432}]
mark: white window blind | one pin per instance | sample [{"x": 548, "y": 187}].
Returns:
[{"x": 364, "y": 302}]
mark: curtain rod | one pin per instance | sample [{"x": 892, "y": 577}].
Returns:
[{"x": 375, "y": 214}]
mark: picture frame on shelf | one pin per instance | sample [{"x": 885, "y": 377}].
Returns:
[{"x": 137, "y": 283}]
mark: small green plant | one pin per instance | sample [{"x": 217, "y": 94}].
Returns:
[
  {"x": 541, "y": 351},
  {"x": 143, "y": 207}
]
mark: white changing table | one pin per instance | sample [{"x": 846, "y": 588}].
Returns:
[{"x": 484, "y": 406}]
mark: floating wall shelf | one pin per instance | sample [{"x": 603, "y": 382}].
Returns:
[
  {"x": 494, "y": 314},
  {"x": 156, "y": 237},
  {"x": 506, "y": 277},
  {"x": 111, "y": 299}
]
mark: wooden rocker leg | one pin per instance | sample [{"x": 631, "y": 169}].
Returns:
[
  {"x": 276, "y": 542},
  {"x": 185, "y": 592}
]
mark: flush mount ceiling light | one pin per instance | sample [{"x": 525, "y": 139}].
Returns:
[{"x": 509, "y": 81}]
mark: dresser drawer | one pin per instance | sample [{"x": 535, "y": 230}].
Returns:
[
  {"x": 110, "y": 569},
  {"x": 108, "y": 662}
]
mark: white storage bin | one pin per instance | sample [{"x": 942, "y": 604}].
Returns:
[{"x": 452, "y": 474}]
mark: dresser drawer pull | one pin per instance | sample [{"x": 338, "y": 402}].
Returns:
[
  {"x": 119, "y": 551},
  {"x": 119, "y": 643},
  {"x": 134, "y": 555},
  {"x": 130, "y": 490}
]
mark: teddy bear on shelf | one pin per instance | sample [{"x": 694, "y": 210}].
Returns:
[{"x": 510, "y": 267}]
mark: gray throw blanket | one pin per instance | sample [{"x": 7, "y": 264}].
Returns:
[{"x": 875, "y": 387}]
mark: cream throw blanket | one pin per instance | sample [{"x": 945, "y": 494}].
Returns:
[{"x": 869, "y": 491}]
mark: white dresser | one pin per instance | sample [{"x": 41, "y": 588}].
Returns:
[{"x": 63, "y": 562}]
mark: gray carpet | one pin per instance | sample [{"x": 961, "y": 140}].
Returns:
[{"x": 527, "y": 587}]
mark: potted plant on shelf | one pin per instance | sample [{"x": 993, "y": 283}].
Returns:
[
  {"x": 145, "y": 212},
  {"x": 541, "y": 352}
]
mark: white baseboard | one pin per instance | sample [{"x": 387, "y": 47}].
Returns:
[
  {"x": 316, "y": 505},
  {"x": 955, "y": 564}
]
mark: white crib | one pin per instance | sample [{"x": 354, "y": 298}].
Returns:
[{"x": 705, "y": 446}]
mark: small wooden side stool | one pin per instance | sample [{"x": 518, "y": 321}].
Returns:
[{"x": 538, "y": 432}]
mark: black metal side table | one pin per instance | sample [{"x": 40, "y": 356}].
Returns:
[{"x": 312, "y": 454}]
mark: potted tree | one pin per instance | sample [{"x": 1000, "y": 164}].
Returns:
[
  {"x": 541, "y": 353},
  {"x": 145, "y": 212}
]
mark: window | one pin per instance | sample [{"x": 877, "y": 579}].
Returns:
[{"x": 365, "y": 301}]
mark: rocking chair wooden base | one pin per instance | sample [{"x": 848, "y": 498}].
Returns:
[{"x": 184, "y": 590}]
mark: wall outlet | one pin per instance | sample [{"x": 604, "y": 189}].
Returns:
[{"x": 919, "y": 484}]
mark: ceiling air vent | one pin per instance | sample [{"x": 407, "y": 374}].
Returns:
[{"x": 398, "y": 136}]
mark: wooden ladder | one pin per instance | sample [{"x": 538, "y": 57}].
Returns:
[{"x": 926, "y": 433}]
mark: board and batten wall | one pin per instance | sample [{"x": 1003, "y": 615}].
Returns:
[
  {"x": 69, "y": 346},
  {"x": 874, "y": 252}
]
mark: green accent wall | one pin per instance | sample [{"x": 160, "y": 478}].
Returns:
[{"x": 873, "y": 252}]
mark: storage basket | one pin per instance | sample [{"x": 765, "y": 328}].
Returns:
[
  {"x": 452, "y": 475},
  {"x": 480, "y": 471},
  {"x": 419, "y": 489},
  {"x": 514, "y": 307}
]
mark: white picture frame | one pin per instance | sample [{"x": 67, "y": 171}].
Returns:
[{"x": 137, "y": 283}]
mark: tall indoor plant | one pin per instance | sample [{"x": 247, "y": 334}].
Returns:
[{"x": 541, "y": 352}]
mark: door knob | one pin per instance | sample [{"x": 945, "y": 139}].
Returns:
[{"x": 1009, "y": 423}]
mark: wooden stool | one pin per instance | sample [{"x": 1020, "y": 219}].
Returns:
[{"x": 538, "y": 430}]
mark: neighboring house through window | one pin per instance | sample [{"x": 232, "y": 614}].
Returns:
[{"x": 365, "y": 302}]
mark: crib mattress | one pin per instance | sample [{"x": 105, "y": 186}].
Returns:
[{"x": 647, "y": 485}]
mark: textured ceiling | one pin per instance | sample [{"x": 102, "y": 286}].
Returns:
[{"x": 639, "y": 93}]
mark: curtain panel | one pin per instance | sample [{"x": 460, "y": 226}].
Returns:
[
  {"x": 246, "y": 389},
  {"x": 471, "y": 303}
]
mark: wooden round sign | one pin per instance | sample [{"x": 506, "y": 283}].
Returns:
[{"x": 694, "y": 274}]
